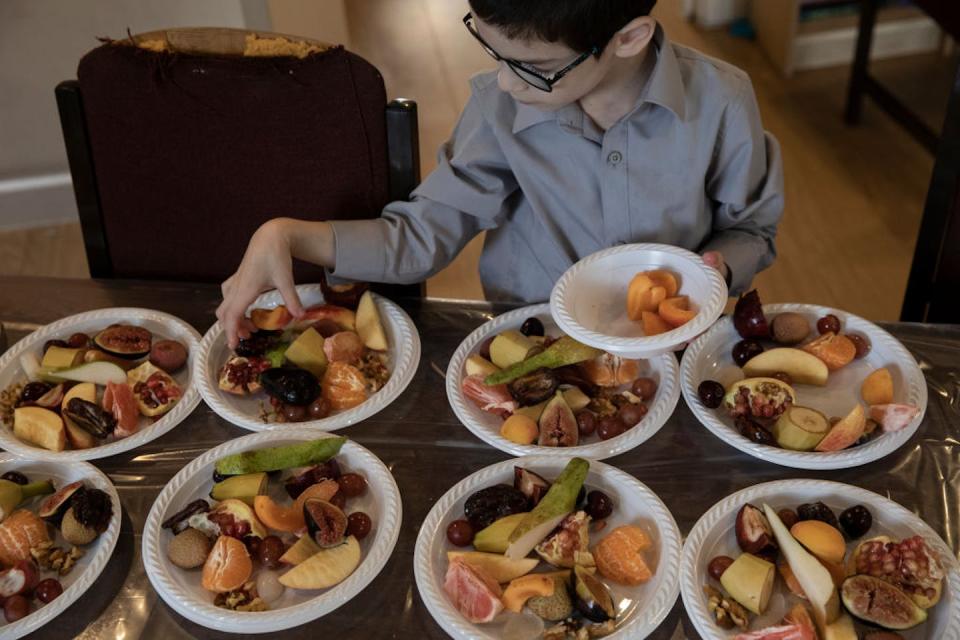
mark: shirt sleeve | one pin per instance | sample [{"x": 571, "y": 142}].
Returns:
[
  {"x": 467, "y": 193},
  {"x": 746, "y": 187}
]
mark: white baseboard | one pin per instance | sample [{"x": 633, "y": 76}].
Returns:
[
  {"x": 890, "y": 39},
  {"x": 36, "y": 201}
]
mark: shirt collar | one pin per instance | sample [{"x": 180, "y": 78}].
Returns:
[{"x": 665, "y": 88}]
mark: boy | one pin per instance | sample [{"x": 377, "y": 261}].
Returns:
[{"x": 594, "y": 131}]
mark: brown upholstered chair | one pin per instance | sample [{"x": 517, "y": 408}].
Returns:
[{"x": 180, "y": 147}]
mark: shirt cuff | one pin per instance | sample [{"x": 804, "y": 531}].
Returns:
[
  {"x": 744, "y": 254},
  {"x": 359, "y": 250}
]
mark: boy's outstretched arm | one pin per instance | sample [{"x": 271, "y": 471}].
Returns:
[
  {"x": 745, "y": 183},
  {"x": 467, "y": 193}
]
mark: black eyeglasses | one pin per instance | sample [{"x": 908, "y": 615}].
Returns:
[{"x": 523, "y": 70}]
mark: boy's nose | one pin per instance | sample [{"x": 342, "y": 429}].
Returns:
[{"x": 508, "y": 81}]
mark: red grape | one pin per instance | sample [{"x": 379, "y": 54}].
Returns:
[
  {"x": 460, "y": 533},
  {"x": 352, "y": 485},
  {"x": 828, "y": 323},
  {"x": 358, "y": 525}
]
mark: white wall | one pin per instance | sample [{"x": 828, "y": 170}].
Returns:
[{"x": 41, "y": 42}]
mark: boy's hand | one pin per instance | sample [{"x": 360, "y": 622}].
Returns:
[
  {"x": 715, "y": 260},
  {"x": 267, "y": 264}
]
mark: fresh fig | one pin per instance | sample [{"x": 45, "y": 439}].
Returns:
[
  {"x": 591, "y": 597},
  {"x": 290, "y": 386},
  {"x": 488, "y": 505},
  {"x": 530, "y": 484},
  {"x": 326, "y": 523},
  {"x": 55, "y": 505},
  {"x": 558, "y": 425},
  {"x": 125, "y": 341},
  {"x": 52, "y": 399},
  {"x": 754, "y": 534},
  {"x": 748, "y": 318},
  {"x": 534, "y": 387},
  {"x": 873, "y": 600}
]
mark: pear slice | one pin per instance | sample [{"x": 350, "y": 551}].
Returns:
[
  {"x": 813, "y": 577},
  {"x": 559, "y": 501},
  {"x": 325, "y": 568}
]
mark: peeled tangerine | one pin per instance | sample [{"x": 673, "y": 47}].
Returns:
[
  {"x": 344, "y": 386},
  {"x": 836, "y": 351},
  {"x": 619, "y": 556},
  {"x": 227, "y": 567}
]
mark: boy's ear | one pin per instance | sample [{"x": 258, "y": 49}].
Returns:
[{"x": 634, "y": 37}]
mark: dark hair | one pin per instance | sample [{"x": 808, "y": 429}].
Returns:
[{"x": 579, "y": 24}]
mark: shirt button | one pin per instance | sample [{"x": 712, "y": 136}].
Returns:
[{"x": 615, "y": 157}]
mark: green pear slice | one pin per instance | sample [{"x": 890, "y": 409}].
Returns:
[
  {"x": 812, "y": 576},
  {"x": 560, "y": 500},
  {"x": 301, "y": 454},
  {"x": 564, "y": 351}
]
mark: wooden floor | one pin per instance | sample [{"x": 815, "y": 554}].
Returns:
[{"x": 854, "y": 195}]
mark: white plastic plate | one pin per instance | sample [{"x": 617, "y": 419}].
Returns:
[
  {"x": 162, "y": 325},
  {"x": 181, "y": 588},
  {"x": 715, "y": 534},
  {"x": 709, "y": 358},
  {"x": 486, "y": 426},
  {"x": 97, "y": 553},
  {"x": 589, "y": 302},
  {"x": 641, "y": 608},
  {"x": 403, "y": 356}
]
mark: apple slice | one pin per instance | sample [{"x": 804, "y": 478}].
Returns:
[
  {"x": 302, "y": 550},
  {"x": 325, "y": 568},
  {"x": 369, "y": 326},
  {"x": 477, "y": 365},
  {"x": 41, "y": 427},
  {"x": 846, "y": 432},
  {"x": 802, "y": 367},
  {"x": 497, "y": 566},
  {"x": 813, "y": 577},
  {"x": 749, "y": 581}
]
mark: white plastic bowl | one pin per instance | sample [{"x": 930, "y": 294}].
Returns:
[
  {"x": 709, "y": 358},
  {"x": 181, "y": 588},
  {"x": 162, "y": 325},
  {"x": 403, "y": 357},
  {"x": 714, "y": 534},
  {"x": 642, "y": 608},
  {"x": 589, "y": 302},
  {"x": 486, "y": 426}
]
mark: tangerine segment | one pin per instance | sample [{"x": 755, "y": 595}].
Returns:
[
  {"x": 665, "y": 279},
  {"x": 636, "y": 291},
  {"x": 344, "y": 386},
  {"x": 619, "y": 556},
  {"x": 836, "y": 351},
  {"x": 653, "y": 324},
  {"x": 676, "y": 311},
  {"x": 227, "y": 567}
]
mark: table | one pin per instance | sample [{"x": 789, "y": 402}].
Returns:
[{"x": 428, "y": 451}]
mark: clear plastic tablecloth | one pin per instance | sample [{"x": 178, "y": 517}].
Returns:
[{"x": 428, "y": 451}]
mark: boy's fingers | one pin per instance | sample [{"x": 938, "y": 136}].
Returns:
[
  {"x": 290, "y": 298},
  {"x": 227, "y": 286}
]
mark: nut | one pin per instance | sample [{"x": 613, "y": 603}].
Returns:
[
  {"x": 243, "y": 599},
  {"x": 56, "y": 559},
  {"x": 728, "y": 614}
]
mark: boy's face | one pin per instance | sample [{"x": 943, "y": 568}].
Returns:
[{"x": 545, "y": 58}]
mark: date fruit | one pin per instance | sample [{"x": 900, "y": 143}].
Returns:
[
  {"x": 718, "y": 565},
  {"x": 754, "y": 534}
]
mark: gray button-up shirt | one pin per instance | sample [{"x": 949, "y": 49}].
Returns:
[{"x": 689, "y": 166}]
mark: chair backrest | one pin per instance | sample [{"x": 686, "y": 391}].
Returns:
[
  {"x": 179, "y": 154},
  {"x": 933, "y": 289}
]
